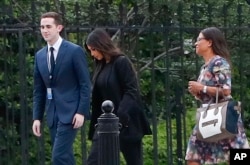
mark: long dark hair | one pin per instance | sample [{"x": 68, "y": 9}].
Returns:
[
  {"x": 219, "y": 44},
  {"x": 101, "y": 41}
]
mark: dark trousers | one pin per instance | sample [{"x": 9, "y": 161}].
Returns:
[
  {"x": 62, "y": 136},
  {"x": 132, "y": 152}
]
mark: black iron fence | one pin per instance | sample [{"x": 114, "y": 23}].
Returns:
[{"x": 156, "y": 35}]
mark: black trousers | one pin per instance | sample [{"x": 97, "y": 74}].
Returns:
[{"x": 132, "y": 152}]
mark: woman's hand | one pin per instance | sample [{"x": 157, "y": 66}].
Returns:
[{"x": 195, "y": 88}]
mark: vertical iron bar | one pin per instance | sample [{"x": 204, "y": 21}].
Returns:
[
  {"x": 167, "y": 99},
  {"x": 181, "y": 133},
  {"x": 241, "y": 63},
  {"x": 153, "y": 82},
  {"x": 23, "y": 108},
  {"x": 8, "y": 156},
  {"x": 166, "y": 33},
  {"x": 153, "y": 101}
]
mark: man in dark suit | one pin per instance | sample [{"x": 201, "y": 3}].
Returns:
[{"x": 61, "y": 88}]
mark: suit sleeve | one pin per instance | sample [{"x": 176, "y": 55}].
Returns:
[
  {"x": 82, "y": 73},
  {"x": 39, "y": 94}
]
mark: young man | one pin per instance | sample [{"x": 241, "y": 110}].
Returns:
[{"x": 61, "y": 88}]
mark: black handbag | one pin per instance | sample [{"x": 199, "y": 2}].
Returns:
[{"x": 218, "y": 121}]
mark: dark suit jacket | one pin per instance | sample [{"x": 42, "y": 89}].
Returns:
[
  {"x": 122, "y": 89},
  {"x": 70, "y": 84}
]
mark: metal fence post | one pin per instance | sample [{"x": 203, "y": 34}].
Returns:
[{"x": 108, "y": 132}]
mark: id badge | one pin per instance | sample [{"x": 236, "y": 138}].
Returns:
[{"x": 49, "y": 93}]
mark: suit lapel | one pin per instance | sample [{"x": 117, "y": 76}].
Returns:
[
  {"x": 44, "y": 60},
  {"x": 61, "y": 53}
]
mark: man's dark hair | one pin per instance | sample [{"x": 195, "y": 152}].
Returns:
[{"x": 57, "y": 17}]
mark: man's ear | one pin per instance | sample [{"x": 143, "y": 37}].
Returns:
[{"x": 60, "y": 28}]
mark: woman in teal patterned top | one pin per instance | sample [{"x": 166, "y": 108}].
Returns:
[{"x": 216, "y": 71}]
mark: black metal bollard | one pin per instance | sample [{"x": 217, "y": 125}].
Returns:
[{"x": 108, "y": 132}]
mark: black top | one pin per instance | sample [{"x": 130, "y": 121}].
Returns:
[{"x": 101, "y": 81}]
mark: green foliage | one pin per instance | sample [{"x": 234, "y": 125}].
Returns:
[
  {"x": 9, "y": 140},
  {"x": 162, "y": 140}
]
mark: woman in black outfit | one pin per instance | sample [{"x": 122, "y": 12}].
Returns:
[{"x": 114, "y": 79}]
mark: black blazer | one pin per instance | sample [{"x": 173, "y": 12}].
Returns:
[{"x": 122, "y": 89}]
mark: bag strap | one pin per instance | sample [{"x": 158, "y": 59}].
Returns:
[
  {"x": 216, "y": 99},
  {"x": 217, "y": 94},
  {"x": 216, "y": 103}
]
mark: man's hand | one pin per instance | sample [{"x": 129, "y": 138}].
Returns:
[
  {"x": 78, "y": 120},
  {"x": 37, "y": 128}
]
